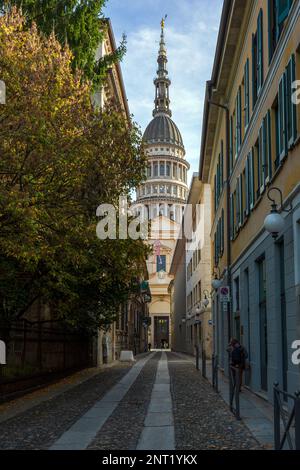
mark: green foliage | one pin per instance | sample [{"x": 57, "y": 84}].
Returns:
[
  {"x": 79, "y": 23},
  {"x": 60, "y": 159}
]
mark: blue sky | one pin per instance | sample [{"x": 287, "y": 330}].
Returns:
[{"x": 191, "y": 35}]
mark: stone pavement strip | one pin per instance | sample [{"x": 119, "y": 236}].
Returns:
[
  {"x": 80, "y": 435},
  {"x": 158, "y": 432},
  {"x": 201, "y": 417}
]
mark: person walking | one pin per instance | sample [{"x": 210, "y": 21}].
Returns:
[{"x": 237, "y": 357}]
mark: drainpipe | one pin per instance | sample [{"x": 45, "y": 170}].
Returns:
[{"x": 226, "y": 109}]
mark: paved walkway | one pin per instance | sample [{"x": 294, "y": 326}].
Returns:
[
  {"x": 159, "y": 403},
  {"x": 256, "y": 413}
]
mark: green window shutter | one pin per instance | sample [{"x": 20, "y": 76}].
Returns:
[
  {"x": 254, "y": 70},
  {"x": 240, "y": 118},
  {"x": 271, "y": 23},
  {"x": 291, "y": 108},
  {"x": 282, "y": 9},
  {"x": 238, "y": 219},
  {"x": 215, "y": 179},
  {"x": 282, "y": 118},
  {"x": 269, "y": 147},
  {"x": 247, "y": 198},
  {"x": 222, "y": 232},
  {"x": 222, "y": 165},
  {"x": 246, "y": 97},
  {"x": 264, "y": 158},
  {"x": 251, "y": 179},
  {"x": 236, "y": 128},
  {"x": 241, "y": 199},
  {"x": 260, "y": 58},
  {"x": 231, "y": 217},
  {"x": 231, "y": 144}
]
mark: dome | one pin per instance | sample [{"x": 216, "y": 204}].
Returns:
[{"x": 163, "y": 130}]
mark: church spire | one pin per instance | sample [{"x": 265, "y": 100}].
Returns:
[{"x": 162, "y": 81}]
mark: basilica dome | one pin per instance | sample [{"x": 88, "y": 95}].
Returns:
[{"x": 163, "y": 130}]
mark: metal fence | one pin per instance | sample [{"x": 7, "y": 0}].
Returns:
[
  {"x": 286, "y": 423},
  {"x": 35, "y": 347}
]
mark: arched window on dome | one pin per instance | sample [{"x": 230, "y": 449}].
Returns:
[
  {"x": 168, "y": 169},
  {"x": 149, "y": 171},
  {"x": 162, "y": 169},
  {"x": 156, "y": 169}
]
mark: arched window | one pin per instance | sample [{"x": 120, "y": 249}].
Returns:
[
  {"x": 162, "y": 169},
  {"x": 156, "y": 169},
  {"x": 149, "y": 172},
  {"x": 168, "y": 169}
]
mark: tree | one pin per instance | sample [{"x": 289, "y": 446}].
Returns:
[
  {"x": 79, "y": 23},
  {"x": 60, "y": 159}
]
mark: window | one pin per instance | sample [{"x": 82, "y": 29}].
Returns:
[
  {"x": 174, "y": 170},
  {"x": 149, "y": 172},
  {"x": 162, "y": 169},
  {"x": 156, "y": 169},
  {"x": 286, "y": 113},
  {"x": 246, "y": 95},
  {"x": 161, "y": 263},
  {"x": 278, "y": 11},
  {"x": 168, "y": 168}
]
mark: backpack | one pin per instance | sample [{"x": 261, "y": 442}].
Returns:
[{"x": 237, "y": 356}]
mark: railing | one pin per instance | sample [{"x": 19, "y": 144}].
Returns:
[
  {"x": 234, "y": 390},
  {"x": 289, "y": 420},
  {"x": 215, "y": 373}
]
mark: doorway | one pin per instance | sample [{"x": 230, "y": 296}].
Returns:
[{"x": 161, "y": 332}]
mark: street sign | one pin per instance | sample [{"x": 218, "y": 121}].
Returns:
[{"x": 224, "y": 294}]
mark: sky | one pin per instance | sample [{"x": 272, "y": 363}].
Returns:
[{"x": 191, "y": 35}]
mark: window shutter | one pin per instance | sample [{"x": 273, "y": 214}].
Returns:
[
  {"x": 222, "y": 232},
  {"x": 215, "y": 179},
  {"x": 291, "y": 106},
  {"x": 282, "y": 9},
  {"x": 231, "y": 144},
  {"x": 237, "y": 222},
  {"x": 247, "y": 199},
  {"x": 231, "y": 217},
  {"x": 264, "y": 159},
  {"x": 241, "y": 200},
  {"x": 246, "y": 97},
  {"x": 254, "y": 71},
  {"x": 260, "y": 62},
  {"x": 236, "y": 128},
  {"x": 269, "y": 147},
  {"x": 282, "y": 127},
  {"x": 222, "y": 165},
  {"x": 251, "y": 179}
]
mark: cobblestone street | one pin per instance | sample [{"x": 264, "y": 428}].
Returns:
[{"x": 160, "y": 403}]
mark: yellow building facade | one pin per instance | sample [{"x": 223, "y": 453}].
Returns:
[{"x": 250, "y": 145}]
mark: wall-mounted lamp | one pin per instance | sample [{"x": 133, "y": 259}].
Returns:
[
  {"x": 274, "y": 222},
  {"x": 216, "y": 282}
]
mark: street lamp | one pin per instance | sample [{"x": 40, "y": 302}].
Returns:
[
  {"x": 216, "y": 282},
  {"x": 274, "y": 222},
  {"x": 207, "y": 296}
]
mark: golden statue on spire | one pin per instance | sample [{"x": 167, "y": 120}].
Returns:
[{"x": 163, "y": 21}]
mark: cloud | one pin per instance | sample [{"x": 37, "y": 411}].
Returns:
[{"x": 191, "y": 34}]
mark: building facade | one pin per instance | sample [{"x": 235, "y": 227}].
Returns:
[
  {"x": 191, "y": 268},
  {"x": 250, "y": 156},
  {"x": 162, "y": 199}
]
